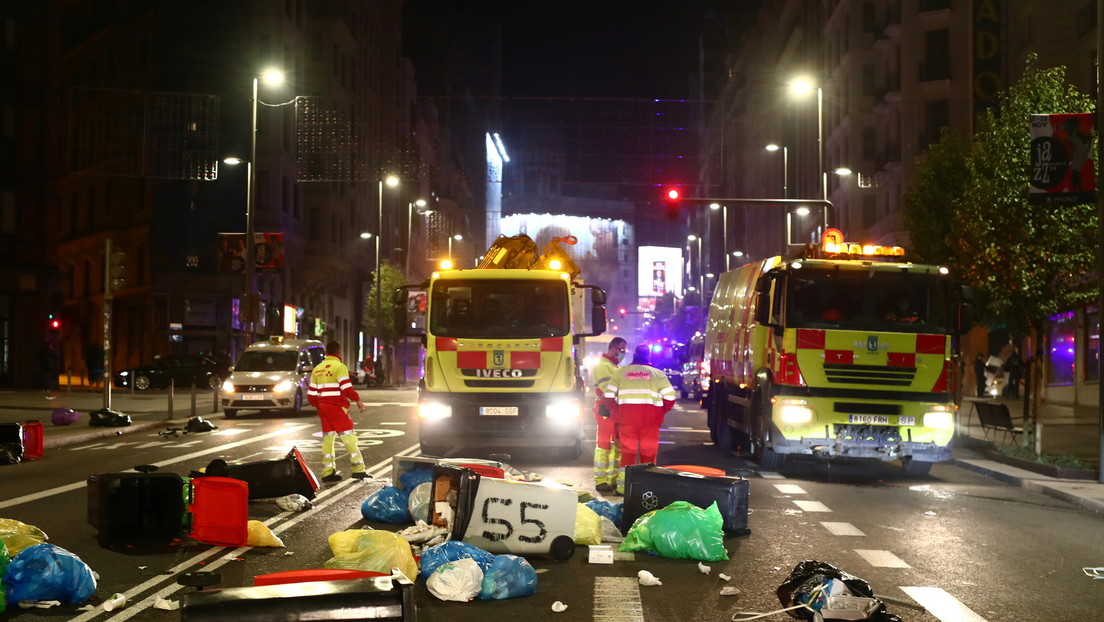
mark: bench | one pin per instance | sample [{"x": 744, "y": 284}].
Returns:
[{"x": 995, "y": 418}]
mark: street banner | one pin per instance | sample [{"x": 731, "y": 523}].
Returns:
[
  {"x": 1063, "y": 170},
  {"x": 268, "y": 248}
]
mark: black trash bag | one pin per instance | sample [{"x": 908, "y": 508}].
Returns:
[
  {"x": 10, "y": 453},
  {"x": 108, "y": 418},
  {"x": 809, "y": 575}
]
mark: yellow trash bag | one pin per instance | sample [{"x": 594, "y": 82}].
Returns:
[
  {"x": 588, "y": 525},
  {"x": 371, "y": 550},
  {"x": 18, "y": 536},
  {"x": 261, "y": 535}
]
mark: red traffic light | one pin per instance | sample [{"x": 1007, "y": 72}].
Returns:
[
  {"x": 55, "y": 324},
  {"x": 622, "y": 311},
  {"x": 672, "y": 194}
]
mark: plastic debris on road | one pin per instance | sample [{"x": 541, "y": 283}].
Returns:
[
  {"x": 702, "y": 568},
  {"x": 681, "y": 530},
  {"x": 460, "y": 580},
  {"x": 509, "y": 576},
  {"x": 372, "y": 550},
  {"x": 48, "y": 572},
  {"x": 417, "y": 503},
  {"x": 386, "y": 505},
  {"x": 559, "y": 607},
  {"x": 165, "y": 604},
  {"x": 817, "y": 590},
  {"x": 451, "y": 551},
  {"x": 1096, "y": 573},
  {"x": 294, "y": 503},
  {"x": 18, "y": 536},
  {"x": 647, "y": 578},
  {"x": 261, "y": 535},
  {"x": 588, "y": 526},
  {"x": 64, "y": 416},
  {"x": 610, "y": 531},
  {"x": 424, "y": 534}
]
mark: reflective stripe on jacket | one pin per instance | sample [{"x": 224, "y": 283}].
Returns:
[
  {"x": 640, "y": 394},
  {"x": 330, "y": 384},
  {"x": 603, "y": 373}
]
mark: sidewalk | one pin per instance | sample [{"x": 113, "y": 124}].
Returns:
[{"x": 1065, "y": 431}]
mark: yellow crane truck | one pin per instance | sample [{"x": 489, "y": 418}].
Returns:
[
  {"x": 847, "y": 350},
  {"x": 500, "y": 343}
]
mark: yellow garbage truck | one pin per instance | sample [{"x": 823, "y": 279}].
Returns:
[
  {"x": 502, "y": 344},
  {"x": 846, "y": 350}
]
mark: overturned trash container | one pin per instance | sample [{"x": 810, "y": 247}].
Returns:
[
  {"x": 374, "y": 598},
  {"x": 503, "y": 516},
  {"x": 648, "y": 487},
  {"x": 108, "y": 418},
  {"x": 270, "y": 478},
  {"x": 150, "y": 508}
]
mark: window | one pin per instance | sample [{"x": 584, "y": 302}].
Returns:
[
  {"x": 937, "y": 57},
  {"x": 1092, "y": 344},
  {"x": 1061, "y": 349}
]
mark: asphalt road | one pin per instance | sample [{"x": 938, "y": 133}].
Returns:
[{"x": 967, "y": 547}]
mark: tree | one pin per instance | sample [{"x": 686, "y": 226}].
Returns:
[
  {"x": 928, "y": 203},
  {"x": 393, "y": 278},
  {"x": 1026, "y": 261}
]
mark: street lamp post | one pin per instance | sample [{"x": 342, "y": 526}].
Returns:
[
  {"x": 456, "y": 237},
  {"x": 724, "y": 231},
  {"x": 785, "y": 167},
  {"x": 391, "y": 181},
  {"x": 701, "y": 273},
  {"x": 802, "y": 86}
]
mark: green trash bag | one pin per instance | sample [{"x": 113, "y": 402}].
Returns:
[
  {"x": 681, "y": 530},
  {"x": 4, "y": 559}
]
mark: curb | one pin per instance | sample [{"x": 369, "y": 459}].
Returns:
[{"x": 1063, "y": 490}]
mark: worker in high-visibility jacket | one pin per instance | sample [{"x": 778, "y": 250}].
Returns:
[
  {"x": 330, "y": 391},
  {"x": 639, "y": 395},
  {"x": 607, "y": 453}
]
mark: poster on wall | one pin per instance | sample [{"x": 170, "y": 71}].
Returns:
[
  {"x": 1063, "y": 171},
  {"x": 659, "y": 271},
  {"x": 596, "y": 252}
]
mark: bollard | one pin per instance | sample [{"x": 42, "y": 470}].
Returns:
[
  {"x": 69, "y": 380},
  {"x": 172, "y": 386},
  {"x": 215, "y": 399},
  {"x": 193, "y": 397}
]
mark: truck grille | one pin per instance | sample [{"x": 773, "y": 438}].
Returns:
[
  {"x": 499, "y": 384},
  {"x": 869, "y": 374}
]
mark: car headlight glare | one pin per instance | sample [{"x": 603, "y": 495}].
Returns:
[
  {"x": 283, "y": 386},
  {"x": 227, "y": 386},
  {"x": 939, "y": 420},
  {"x": 562, "y": 410},
  {"x": 795, "y": 412},
  {"x": 434, "y": 411}
]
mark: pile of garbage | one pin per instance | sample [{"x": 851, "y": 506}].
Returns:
[{"x": 36, "y": 573}]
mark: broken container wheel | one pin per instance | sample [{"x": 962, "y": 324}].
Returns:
[
  {"x": 200, "y": 579},
  {"x": 563, "y": 547}
]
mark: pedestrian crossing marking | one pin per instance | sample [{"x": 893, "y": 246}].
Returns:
[
  {"x": 942, "y": 605},
  {"x": 617, "y": 599},
  {"x": 842, "y": 529},
  {"x": 771, "y": 475},
  {"x": 881, "y": 559},
  {"x": 811, "y": 506},
  {"x": 790, "y": 489}
]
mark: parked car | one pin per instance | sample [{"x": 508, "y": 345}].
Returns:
[{"x": 179, "y": 369}]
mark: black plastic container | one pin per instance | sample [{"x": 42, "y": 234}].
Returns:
[
  {"x": 378, "y": 598},
  {"x": 648, "y": 487},
  {"x": 270, "y": 478}
]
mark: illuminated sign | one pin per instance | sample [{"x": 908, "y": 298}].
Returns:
[
  {"x": 832, "y": 243},
  {"x": 659, "y": 271}
]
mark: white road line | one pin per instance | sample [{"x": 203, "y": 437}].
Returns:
[
  {"x": 942, "y": 605},
  {"x": 331, "y": 496},
  {"x": 842, "y": 529},
  {"x": 392, "y": 423},
  {"x": 771, "y": 475},
  {"x": 881, "y": 559},
  {"x": 811, "y": 506},
  {"x": 624, "y": 556},
  {"x": 790, "y": 489},
  {"x": 617, "y": 599},
  {"x": 79, "y": 485}
]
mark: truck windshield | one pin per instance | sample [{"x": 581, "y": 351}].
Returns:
[
  {"x": 499, "y": 309},
  {"x": 876, "y": 300}
]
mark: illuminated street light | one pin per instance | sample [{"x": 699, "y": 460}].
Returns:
[
  {"x": 391, "y": 182},
  {"x": 785, "y": 167},
  {"x": 802, "y": 86}
]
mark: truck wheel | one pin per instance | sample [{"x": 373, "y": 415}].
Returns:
[
  {"x": 767, "y": 458},
  {"x": 563, "y": 547},
  {"x": 230, "y": 413},
  {"x": 913, "y": 466}
]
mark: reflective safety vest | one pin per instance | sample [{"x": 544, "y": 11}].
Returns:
[
  {"x": 603, "y": 373},
  {"x": 330, "y": 384},
  {"x": 640, "y": 394}
]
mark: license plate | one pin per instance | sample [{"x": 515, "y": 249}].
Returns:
[
  {"x": 254, "y": 397},
  {"x": 875, "y": 419},
  {"x": 906, "y": 420},
  {"x": 498, "y": 411}
]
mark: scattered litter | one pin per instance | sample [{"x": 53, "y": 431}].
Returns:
[
  {"x": 294, "y": 503},
  {"x": 930, "y": 513},
  {"x": 142, "y": 567},
  {"x": 681, "y": 530},
  {"x": 559, "y": 607},
  {"x": 588, "y": 526},
  {"x": 824, "y": 592},
  {"x": 509, "y": 576},
  {"x": 459, "y": 581},
  {"x": 117, "y": 601},
  {"x": 723, "y": 577},
  {"x": 1096, "y": 573},
  {"x": 704, "y": 569},
  {"x": 386, "y": 505},
  {"x": 452, "y": 551},
  {"x": 261, "y": 535},
  {"x": 610, "y": 532},
  {"x": 286, "y": 553},
  {"x": 728, "y": 590},
  {"x": 422, "y": 532},
  {"x": 417, "y": 503},
  {"x": 18, "y": 536},
  {"x": 38, "y": 604},
  {"x": 601, "y": 555},
  {"x": 45, "y": 572},
  {"x": 542, "y": 570},
  {"x": 372, "y": 550},
  {"x": 647, "y": 578},
  {"x": 165, "y": 604}
]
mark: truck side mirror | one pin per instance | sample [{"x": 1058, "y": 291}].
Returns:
[{"x": 598, "y": 319}]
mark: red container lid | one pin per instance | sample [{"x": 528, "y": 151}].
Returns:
[
  {"x": 312, "y": 479},
  {"x": 693, "y": 468},
  {"x": 33, "y": 440},
  {"x": 313, "y": 574},
  {"x": 486, "y": 470},
  {"x": 220, "y": 511}
]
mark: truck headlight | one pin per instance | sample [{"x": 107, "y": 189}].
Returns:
[
  {"x": 283, "y": 386},
  {"x": 795, "y": 412},
  {"x": 227, "y": 386},
  {"x": 939, "y": 420},
  {"x": 562, "y": 410},
  {"x": 434, "y": 410}
]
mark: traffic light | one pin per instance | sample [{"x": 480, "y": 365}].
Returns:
[
  {"x": 672, "y": 199},
  {"x": 117, "y": 270},
  {"x": 53, "y": 323},
  {"x": 622, "y": 311}
]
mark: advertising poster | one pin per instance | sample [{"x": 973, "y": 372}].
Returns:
[
  {"x": 268, "y": 249},
  {"x": 659, "y": 271},
  {"x": 1063, "y": 171}
]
